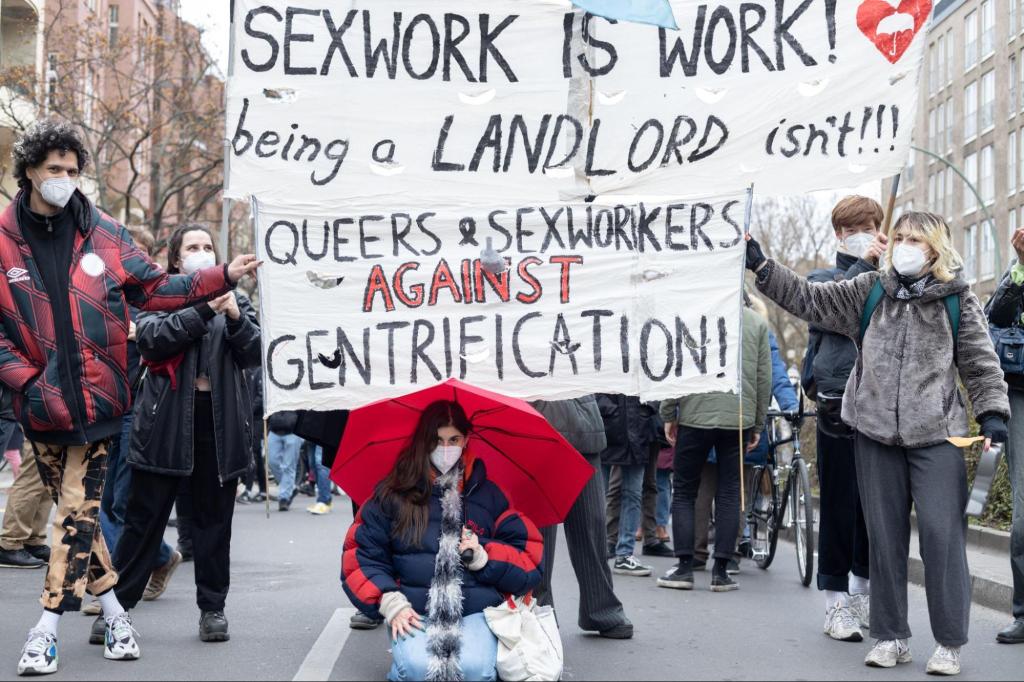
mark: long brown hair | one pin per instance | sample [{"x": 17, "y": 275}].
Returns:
[{"x": 407, "y": 489}]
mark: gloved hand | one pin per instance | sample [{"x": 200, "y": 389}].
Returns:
[
  {"x": 755, "y": 256},
  {"x": 993, "y": 427}
]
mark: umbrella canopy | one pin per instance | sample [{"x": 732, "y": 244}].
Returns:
[{"x": 541, "y": 473}]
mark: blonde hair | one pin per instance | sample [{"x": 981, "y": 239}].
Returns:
[{"x": 935, "y": 232}]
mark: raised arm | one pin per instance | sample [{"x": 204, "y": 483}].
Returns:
[{"x": 1005, "y": 306}]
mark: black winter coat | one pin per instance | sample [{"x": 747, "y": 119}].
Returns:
[
  {"x": 831, "y": 356},
  {"x": 631, "y": 428},
  {"x": 1004, "y": 309},
  {"x": 162, "y": 429}
]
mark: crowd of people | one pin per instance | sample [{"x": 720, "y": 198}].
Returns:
[{"x": 132, "y": 390}]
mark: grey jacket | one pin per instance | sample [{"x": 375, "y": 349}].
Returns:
[
  {"x": 579, "y": 421},
  {"x": 904, "y": 389}
]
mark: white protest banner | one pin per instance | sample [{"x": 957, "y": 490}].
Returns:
[
  {"x": 363, "y": 303},
  {"x": 530, "y": 99}
]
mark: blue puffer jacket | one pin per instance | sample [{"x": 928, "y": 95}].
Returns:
[{"x": 374, "y": 562}]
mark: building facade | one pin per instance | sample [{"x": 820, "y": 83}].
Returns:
[
  {"x": 21, "y": 52},
  {"x": 968, "y": 164}
]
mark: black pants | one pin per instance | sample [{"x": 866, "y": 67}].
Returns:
[
  {"x": 600, "y": 609},
  {"x": 258, "y": 475},
  {"x": 692, "y": 449},
  {"x": 842, "y": 534},
  {"x": 212, "y": 506}
]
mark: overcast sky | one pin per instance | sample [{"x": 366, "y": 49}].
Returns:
[{"x": 213, "y": 17}]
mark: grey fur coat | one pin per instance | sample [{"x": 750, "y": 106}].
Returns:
[{"x": 904, "y": 389}]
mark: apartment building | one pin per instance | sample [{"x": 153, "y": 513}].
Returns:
[
  {"x": 969, "y": 135},
  {"x": 21, "y": 50}
]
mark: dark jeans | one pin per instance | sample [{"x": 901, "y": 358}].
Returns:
[
  {"x": 934, "y": 480},
  {"x": 114, "y": 505},
  {"x": 692, "y": 449},
  {"x": 258, "y": 475},
  {"x": 211, "y": 507},
  {"x": 842, "y": 533},
  {"x": 1015, "y": 461}
]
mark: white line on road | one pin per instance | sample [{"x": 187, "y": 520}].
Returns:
[{"x": 321, "y": 658}]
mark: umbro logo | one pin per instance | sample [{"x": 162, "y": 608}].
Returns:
[{"x": 15, "y": 275}]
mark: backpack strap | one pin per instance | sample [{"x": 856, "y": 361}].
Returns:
[
  {"x": 952, "y": 303},
  {"x": 870, "y": 306}
]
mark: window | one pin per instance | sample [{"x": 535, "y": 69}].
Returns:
[
  {"x": 970, "y": 253},
  {"x": 988, "y": 252},
  {"x": 949, "y": 124},
  {"x": 1011, "y": 222},
  {"x": 943, "y": 61},
  {"x": 971, "y": 111},
  {"x": 1011, "y": 164},
  {"x": 987, "y": 182},
  {"x": 948, "y": 208},
  {"x": 932, "y": 130},
  {"x": 114, "y": 22},
  {"x": 971, "y": 171},
  {"x": 940, "y": 189},
  {"x": 1011, "y": 18},
  {"x": 1013, "y": 83},
  {"x": 988, "y": 101},
  {"x": 932, "y": 191},
  {"x": 908, "y": 170},
  {"x": 933, "y": 70},
  {"x": 950, "y": 51},
  {"x": 988, "y": 28},
  {"x": 970, "y": 41}
]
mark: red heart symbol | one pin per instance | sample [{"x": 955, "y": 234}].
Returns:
[{"x": 892, "y": 29}]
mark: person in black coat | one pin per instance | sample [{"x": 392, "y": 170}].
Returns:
[
  {"x": 193, "y": 429},
  {"x": 631, "y": 429}
]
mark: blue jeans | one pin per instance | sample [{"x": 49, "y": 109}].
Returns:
[
  {"x": 284, "y": 460},
  {"x": 114, "y": 502},
  {"x": 323, "y": 477},
  {"x": 632, "y": 505},
  {"x": 478, "y": 656},
  {"x": 664, "y": 511}
]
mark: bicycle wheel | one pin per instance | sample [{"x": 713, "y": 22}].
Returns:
[
  {"x": 802, "y": 505},
  {"x": 764, "y": 517}
]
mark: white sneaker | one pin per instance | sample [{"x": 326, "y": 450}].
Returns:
[
  {"x": 841, "y": 625},
  {"x": 39, "y": 655},
  {"x": 889, "y": 653},
  {"x": 860, "y": 606},
  {"x": 120, "y": 643},
  {"x": 945, "y": 661}
]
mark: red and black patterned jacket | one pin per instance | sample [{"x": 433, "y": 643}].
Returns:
[{"x": 69, "y": 376}]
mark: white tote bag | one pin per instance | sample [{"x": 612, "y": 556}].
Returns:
[{"x": 529, "y": 646}]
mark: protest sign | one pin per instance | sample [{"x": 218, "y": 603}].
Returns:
[
  {"x": 363, "y": 303},
  {"x": 532, "y": 99}
]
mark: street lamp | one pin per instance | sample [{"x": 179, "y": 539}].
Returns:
[{"x": 981, "y": 202}]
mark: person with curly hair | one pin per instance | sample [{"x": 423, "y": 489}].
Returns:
[{"x": 72, "y": 272}]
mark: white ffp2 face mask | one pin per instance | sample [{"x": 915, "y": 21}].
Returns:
[
  {"x": 198, "y": 261},
  {"x": 857, "y": 245},
  {"x": 909, "y": 261},
  {"x": 444, "y": 457},
  {"x": 57, "y": 192}
]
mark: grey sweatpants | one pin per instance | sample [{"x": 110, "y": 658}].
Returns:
[{"x": 934, "y": 480}]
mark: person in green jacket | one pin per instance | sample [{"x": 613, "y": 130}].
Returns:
[{"x": 699, "y": 423}]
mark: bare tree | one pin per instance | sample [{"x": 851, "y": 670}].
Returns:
[
  {"x": 151, "y": 113},
  {"x": 797, "y": 232}
]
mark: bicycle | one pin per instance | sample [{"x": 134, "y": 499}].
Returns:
[{"x": 774, "y": 505}]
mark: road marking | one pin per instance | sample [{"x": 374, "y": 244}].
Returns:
[{"x": 323, "y": 656}]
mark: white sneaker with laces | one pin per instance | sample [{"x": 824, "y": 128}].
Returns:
[
  {"x": 39, "y": 655},
  {"x": 945, "y": 661},
  {"x": 889, "y": 653},
  {"x": 121, "y": 642},
  {"x": 860, "y": 606},
  {"x": 841, "y": 625}
]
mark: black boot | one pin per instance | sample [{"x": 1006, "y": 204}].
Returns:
[
  {"x": 213, "y": 627},
  {"x": 1013, "y": 634}
]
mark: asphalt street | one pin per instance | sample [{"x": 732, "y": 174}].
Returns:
[{"x": 289, "y": 621}]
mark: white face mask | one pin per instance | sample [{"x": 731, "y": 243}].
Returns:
[
  {"x": 857, "y": 245},
  {"x": 198, "y": 261},
  {"x": 444, "y": 457},
  {"x": 909, "y": 261},
  {"x": 57, "y": 192}
]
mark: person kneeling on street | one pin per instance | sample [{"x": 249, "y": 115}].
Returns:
[{"x": 403, "y": 557}]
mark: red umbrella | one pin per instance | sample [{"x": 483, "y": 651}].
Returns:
[{"x": 531, "y": 461}]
